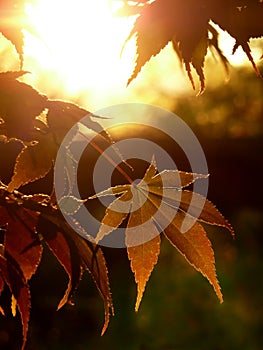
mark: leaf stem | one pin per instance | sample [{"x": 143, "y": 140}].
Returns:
[{"x": 111, "y": 161}]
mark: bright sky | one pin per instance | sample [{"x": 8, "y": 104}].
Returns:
[{"x": 79, "y": 43}]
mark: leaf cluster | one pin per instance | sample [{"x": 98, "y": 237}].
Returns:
[
  {"x": 159, "y": 203},
  {"x": 29, "y": 221},
  {"x": 189, "y": 26}
]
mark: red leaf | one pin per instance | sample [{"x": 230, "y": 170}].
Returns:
[
  {"x": 21, "y": 240},
  {"x": 93, "y": 259},
  {"x": 66, "y": 253},
  {"x": 16, "y": 282}
]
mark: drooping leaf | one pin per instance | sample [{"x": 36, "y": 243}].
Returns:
[
  {"x": 195, "y": 247},
  {"x": 72, "y": 251},
  {"x": 16, "y": 282},
  {"x": 242, "y": 21},
  {"x": 93, "y": 260},
  {"x": 75, "y": 254},
  {"x": 21, "y": 239},
  {"x": 154, "y": 27},
  {"x": 65, "y": 252},
  {"x": 187, "y": 23},
  {"x": 143, "y": 257},
  {"x": 172, "y": 20},
  {"x": 159, "y": 202}
]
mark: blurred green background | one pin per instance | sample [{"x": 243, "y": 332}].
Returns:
[{"x": 179, "y": 310}]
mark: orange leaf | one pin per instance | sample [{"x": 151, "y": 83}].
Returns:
[
  {"x": 143, "y": 258},
  {"x": 33, "y": 162},
  {"x": 115, "y": 214},
  {"x": 204, "y": 210},
  {"x": 141, "y": 228},
  {"x": 195, "y": 247},
  {"x": 159, "y": 203}
]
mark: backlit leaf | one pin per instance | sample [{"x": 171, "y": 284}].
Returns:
[
  {"x": 209, "y": 213},
  {"x": 21, "y": 240},
  {"x": 93, "y": 260},
  {"x": 15, "y": 280},
  {"x": 195, "y": 247},
  {"x": 143, "y": 258},
  {"x": 154, "y": 27},
  {"x": 70, "y": 205},
  {"x": 65, "y": 252},
  {"x": 75, "y": 253},
  {"x": 241, "y": 22},
  {"x": 62, "y": 116},
  {"x": 115, "y": 214},
  {"x": 33, "y": 162},
  {"x": 20, "y": 104},
  {"x": 13, "y": 305},
  {"x": 159, "y": 202},
  {"x": 187, "y": 25}
]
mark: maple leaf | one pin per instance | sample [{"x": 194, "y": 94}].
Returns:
[
  {"x": 66, "y": 254},
  {"x": 172, "y": 20},
  {"x": 62, "y": 116},
  {"x": 33, "y": 162},
  {"x": 20, "y": 108},
  {"x": 24, "y": 219},
  {"x": 241, "y": 22},
  {"x": 76, "y": 255},
  {"x": 19, "y": 257},
  {"x": 187, "y": 24},
  {"x": 21, "y": 239},
  {"x": 20, "y": 104},
  {"x": 93, "y": 260},
  {"x": 160, "y": 203}
]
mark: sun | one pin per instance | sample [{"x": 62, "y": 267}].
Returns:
[{"x": 78, "y": 44}]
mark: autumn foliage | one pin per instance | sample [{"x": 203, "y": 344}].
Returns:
[
  {"x": 189, "y": 25},
  {"x": 33, "y": 222}
]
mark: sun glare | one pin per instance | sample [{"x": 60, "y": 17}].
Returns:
[
  {"x": 79, "y": 43},
  {"x": 74, "y": 52}
]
